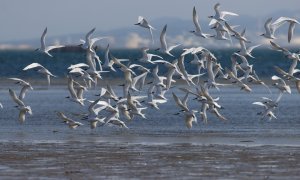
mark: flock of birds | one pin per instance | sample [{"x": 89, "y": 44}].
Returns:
[{"x": 109, "y": 109}]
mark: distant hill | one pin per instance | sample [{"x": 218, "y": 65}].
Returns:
[{"x": 177, "y": 32}]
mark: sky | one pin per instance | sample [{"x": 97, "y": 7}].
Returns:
[{"x": 22, "y": 20}]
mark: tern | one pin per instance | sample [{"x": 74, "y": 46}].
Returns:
[
  {"x": 270, "y": 28},
  {"x": 281, "y": 85},
  {"x": 142, "y": 22},
  {"x": 71, "y": 123},
  {"x": 25, "y": 86},
  {"x": 219, "y": 15},
  {"x": 89, "y": 42},
  {"x": 292, "y": 25},
  {"x": 74, "y": 97},
  {"x": 198, "y": 31},
  {"x": 147, "y": 57},
  {"x": 45, "y": 49},
  {"x": 238, "y": 36},
  {"x": 40, "y": 69},
  {"x": 21, "y": 106},
  {"x": 163, "y": 44}
]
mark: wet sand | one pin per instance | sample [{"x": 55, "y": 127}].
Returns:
[{"x": 89, "y": 160}]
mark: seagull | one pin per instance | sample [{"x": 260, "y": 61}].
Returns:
[
  {"x": 45, "y": 49},
  {"x": 144, "y": 23},
  {"x": 198, "y": 31},
  {"x": 25, "y": 86},
  {"x": 219, "y": 15},
  {"x": 21, "y": 106},
  {"x": 71, "y": 123},
  {"x": 164, "y": 48},
  {"x": 40, "y": 69}
]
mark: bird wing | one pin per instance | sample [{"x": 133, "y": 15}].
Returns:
[
  {"x": 71, "y": 88},
  {"x": 15, "y": 98},
  {"x": 163, "y": 42},
  {"x": 291, "y": 31},
  {"x": 43, "y": 45},
  {"x": 89, "y": 34},
  {"x": 267, "y": 26},
  {"x": 32, "y": 65},
  {"x": 196, "y": 20},
  {"x": 23, "y": 91}
]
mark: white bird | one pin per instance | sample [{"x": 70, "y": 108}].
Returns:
[
  {"x": 220, "y": 32},
  {"x": 89, "y": 42},
  {"x": 21, "y": 106},
  {"x": 153, "y": 102},
  {"x": 238, "y": 36},
  {"x": 144, "y": 23},
  {"x": 281, "y": 85},
  {"x": 172, "y": 69},
  {"x": 71, "y": 123},
  {"x": 140, "y": 81},
  {"x": 185, "y": 76},
  {"x": 270, "y": 28},
  {"x": 244, "y": 51},
  {"x": 198, "y": 31},
  {"x": 292, "y": 25},
  {"x": 40, "y": 69},
  {"x": 78, "y": 65},
  {"x": 45, "y": 49},
  {"x": 147, "y": 57},
  {"x": 108, "y": 63},
  {"x": 238, "y": 81},
  {"x": 163, "y": 44},
  {"x": 219, "y": 15},
  {"x": 286, "y": 52},
  {"x": 25, "y": 86},
  {"x": 289, "y": 75},
  {"x": 73, "y": 95},
  {"x": 117, "y": 122}
]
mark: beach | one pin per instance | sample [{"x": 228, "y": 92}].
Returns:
[{"x": 88, "y": 160}]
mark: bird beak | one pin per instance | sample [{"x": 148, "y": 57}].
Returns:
[
  {"x": 137, "y": 24},
  {"x": 36, "y": 49},
  {"x": 156, "y": 49}
]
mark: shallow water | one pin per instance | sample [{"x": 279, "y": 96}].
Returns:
[
  {"x": 161, "y": 126},
  {"x": 244, "y": 147}
]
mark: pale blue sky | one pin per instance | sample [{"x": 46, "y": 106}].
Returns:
[{"x": 26, "y": 19}]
